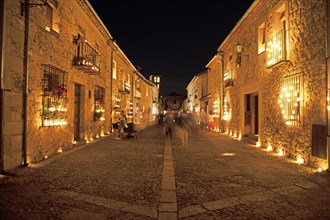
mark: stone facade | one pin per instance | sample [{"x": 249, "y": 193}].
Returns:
[
  {"x": 70, "y": 65},
  {"x": 275, "y": 76},
  {"x": 197, "y": 91}
]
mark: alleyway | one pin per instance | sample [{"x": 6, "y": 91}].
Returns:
[{"x": 214, "y": 177}]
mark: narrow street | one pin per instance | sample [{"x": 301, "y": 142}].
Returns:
[{"x": 214, "y": 177}]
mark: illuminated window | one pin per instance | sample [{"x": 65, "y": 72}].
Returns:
[
  {"x": 114, "y": 69},
  {"x": 261, "y": 38},
  {"x": 54, "y": 96},
  {"x": 52, "y": 17},
  {"x": 99, "y": 111},
  {"x": 277, "y": 46},
  {"x": 290, "y": 100},
  {"x": 215, "y": 109},
  {"x": 229, "y": 78},
  {"x": 226, "y": 110},
  {"x": 128, "y": 78},
  {"x": 147, "y": 91}
]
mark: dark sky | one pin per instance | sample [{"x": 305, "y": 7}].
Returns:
[{"x": 174, "y": 38}]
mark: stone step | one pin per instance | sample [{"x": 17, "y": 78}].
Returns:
[{"x": 249, "y": 140}]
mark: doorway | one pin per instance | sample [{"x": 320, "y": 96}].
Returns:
[
  {"x": 251, "y": 117},
  {"x": 77, "y": 110}
]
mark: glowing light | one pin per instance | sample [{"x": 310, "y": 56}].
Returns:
[
  {"x": 228, "y": 154},
  {"x": 54, "y": 122},
  {"x": 46, "y": 157},
  {"x": 300, "y": 160},
  {"x": 97, "y": 136},
  {"x": 319, "y": 170},
  {"x": 280, "y": 152},
  {"x": 258, "y": 144},
  {"x": 269, "y": 148},
  {"x": 74, "y": 142},
  {"x": 59, "y": 150}
]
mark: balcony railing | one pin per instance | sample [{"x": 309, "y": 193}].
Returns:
[
  {"x": 276, "y": 49},
  {"x": 137, "y": 94},
  {"x": 86, "y": 58},
  {"x": 125, "y": 87}
]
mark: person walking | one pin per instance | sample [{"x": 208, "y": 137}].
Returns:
[{"x": 114, "y": 119}]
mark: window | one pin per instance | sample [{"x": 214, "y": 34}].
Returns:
[
  {"x": 114, "y": 69},
  {"x": 128, "y": 78},
  {"x": 290, "y": 100},
  {"x": 147, "y": 91},
  {"x": 52, "y": 17},
  {"x": 261, "y": 38},
  {"x": 229, "y": 78},
  {"x": 99, "y": 111},
  {"x": 226, "y": 109},
  {"x": 277, "y": 46},
  {"x": 54, "y": 94}
]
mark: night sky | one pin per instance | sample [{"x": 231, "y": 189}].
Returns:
[{"x": 174, "y": 38}]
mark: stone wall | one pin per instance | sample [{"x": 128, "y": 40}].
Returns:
[
  {"x": 56, "y": 49},
  {"x": 306, "y": 56}
]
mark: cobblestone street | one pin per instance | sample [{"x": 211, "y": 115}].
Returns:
[{"x": 214, "y": 177}]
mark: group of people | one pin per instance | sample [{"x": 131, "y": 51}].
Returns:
[
  {"x": 177, "y": 124},
  {"x": 118, "y": 124}
]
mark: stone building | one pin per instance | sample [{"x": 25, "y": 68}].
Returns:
[
  {"x": 61, "y": 75},
  {"x": 197, "y": 95},
  {"x": 273, "y": 73},
  {"x": 215, "y": 90},
  {"x": 173, "y": 102}
]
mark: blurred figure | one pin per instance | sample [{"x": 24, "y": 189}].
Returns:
[
  {"x": 183, "y": 130},
  {"x": 122, "y": 123},
  {"x": 114, "y": 123},
  {"x": 203, "y": 119},
  {"x": 210, "y": 121},
  {"x": 168, "y": 125}
]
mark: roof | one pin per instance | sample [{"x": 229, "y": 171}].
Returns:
[{"x": 174, "y": 94}]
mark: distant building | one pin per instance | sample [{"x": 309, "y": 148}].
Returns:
[
  {"x": 155, "y": 78},
  {"x": 173, "y": 102}
]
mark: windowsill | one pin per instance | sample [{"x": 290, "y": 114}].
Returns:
[
  {"x": 278, "y": 64},
  {"x": 52, "y": 31},
  {"x": 261, "y": 52}
]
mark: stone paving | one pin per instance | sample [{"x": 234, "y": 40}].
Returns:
[{"x": 215, "y": 177}]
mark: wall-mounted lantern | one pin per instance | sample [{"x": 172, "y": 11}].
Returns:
[{"x": 238, "y": 49}]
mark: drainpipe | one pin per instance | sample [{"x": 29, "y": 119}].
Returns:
[
  {"x": 26, "y": 81},
  {"x": 328, "y": 78},
  {"x": 221, "y": 53},
  {"x": 2, "y": 20}
]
